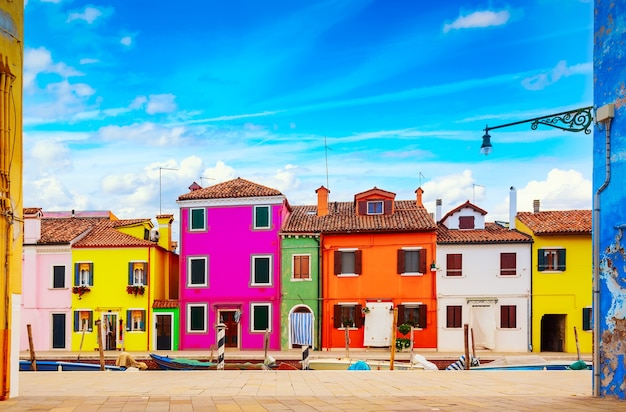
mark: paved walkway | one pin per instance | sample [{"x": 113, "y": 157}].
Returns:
[{"x": 308, "y": 391}]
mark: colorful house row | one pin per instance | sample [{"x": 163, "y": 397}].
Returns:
[{"x": 282, "y": 276}]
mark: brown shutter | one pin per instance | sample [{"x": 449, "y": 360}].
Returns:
[
  {"x": 422, "y": 261},
  {"x": 337, "y": 262},
  {"x": 387, "y": 207},
  {"x": 362, "y": 208},
  {"x": 400, "y": 315},
  {"x": 337, "y": 318},
  {"x": 357, "y": 262},
  {"x": 400, "y": 261},
  {"x": 423, "y": 311},
  {"x": 358, "y": 321}
]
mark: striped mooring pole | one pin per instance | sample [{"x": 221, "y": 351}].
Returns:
[
  {"x": 221, "y": 341},
  {"x": 305, "y": 357}
]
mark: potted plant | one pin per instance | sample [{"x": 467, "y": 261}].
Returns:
[
  {"x": 347, "y": 323},
  {"x": 135, "y": 290},
  {"x": 365, "y": 310},
  {"x": 404, "y": 328},
  {"x": 80, "y": 290}
]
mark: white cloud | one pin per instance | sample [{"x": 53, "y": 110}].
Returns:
[
  {"x": 38, "y": 61},
  {"x": 562, "y": 190},
  {"x": 454, "y": 189},
  {"x": 161, "y": 103},
  {"x": 126, "y": 40},
  {"x": 51, "y": 155},
  {"x": 89, "y": 15},
  {"x": 543, "y": 80},
  {"x": 220, "y": 173},
  {"x": 147, "y": 133},
  {"x": 88, "y": 60},
  {"x": 478, "y": 19}
]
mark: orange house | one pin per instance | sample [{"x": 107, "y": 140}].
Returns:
[{"x": 378, "y": 255}]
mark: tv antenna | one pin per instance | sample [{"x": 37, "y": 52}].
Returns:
[
  {"x": 474, "y": 191},
  {"x": 202, "y": 180}
]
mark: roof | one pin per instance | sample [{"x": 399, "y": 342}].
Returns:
[
  {"x": 342, "y": 217},
  {"x": 64, "y": 231},
  {"x": 165, "y": 304},
  {"x": 465, "y": 205},
  {"x": 105, "y": 235},
  {"x": 235, "y": 188},
  {"x": 492, "y": 233},
  {"x": 557, "y": 222}
]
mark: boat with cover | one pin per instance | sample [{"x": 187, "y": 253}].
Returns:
[
  {"x": 54, "y": 366},
  {"x": 167, "y": 363}
]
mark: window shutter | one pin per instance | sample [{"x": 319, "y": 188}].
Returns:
[
  {"x": 541, "y": 260},
  {"x": 422, "y": 261},
  {"x": 142, "y": 324},
  {"x": 400, "y": 315},
  {"x": 90, "y": 321},
  {"x": 146, "y": 273},
  {"x": 423, "y": 311},
  {"x": 91, "y": 274},
  {"x": 357, "y": 261},
  {"x": 130, "y": 273},
  {"x": 587, "y": 318},
  {"x": 362, "y": 206},
  {"x": 129, "y": 319},
  {"x": 76, "y": 275},
  {"x": 387, "y": 208},
  {"x": 337, "y": 316},
  {"x": 76, "y": 321},
  {"x": 358, "y": 321},
  {"x": 400, "y": 261},
  {"x": 337, "y": 262},
  {"x": 561, "y": 255}
]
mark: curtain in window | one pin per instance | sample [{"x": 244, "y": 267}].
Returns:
[{"x": 301, "y": 328}]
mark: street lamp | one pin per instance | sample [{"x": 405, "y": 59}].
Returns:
[
  {"x": 576, "y": 120},
  {"x": 162, "y": 168}
]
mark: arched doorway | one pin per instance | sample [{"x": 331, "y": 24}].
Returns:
[{"x": 301, "y": 323}]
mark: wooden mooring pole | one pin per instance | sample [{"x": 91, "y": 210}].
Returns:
[
  {"x": 466, "y": 339},
  {"x": 31, "y": 347},
  {"x": 100, "y": 344}
]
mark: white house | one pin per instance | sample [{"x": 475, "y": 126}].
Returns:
[{"x": 483, "y": 280}]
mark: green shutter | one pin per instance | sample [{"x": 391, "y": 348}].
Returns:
[
  {"x": 261, "y": 318},
  {"x": 129, "y": 320},
  {"x": 91, "y": 274},
  {"x": 262, "y": 217},
  {"x": 561, "y": 258},
  {"x": 261, "y": 270},
  {"x": 587, "y": 322},
  {"x": 541, "y": 260},
  {"x": 197, "y": 272},
  {"x": 197, "y": 219}
]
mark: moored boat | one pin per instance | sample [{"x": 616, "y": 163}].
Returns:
[
  {"x": 54, "y": 366},
  {"x": 167, "y": 363},
  {"x": 345, "y": 363}
]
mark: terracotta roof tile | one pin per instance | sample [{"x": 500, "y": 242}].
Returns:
[
  {"x": 165, "y": 304},
  {"x": 105, "y": 235},
  {"x": 493, "y": 233},
  {"x": 231, "y": 189},
  {"x": 342, "y": 217},
  {"x": 557, "y": 222},
  {"x": 62, "y": 231}
]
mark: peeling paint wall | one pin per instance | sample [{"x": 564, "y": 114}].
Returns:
[{"x": 610, "y": 87}]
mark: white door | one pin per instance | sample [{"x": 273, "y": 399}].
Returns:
[{"x": 378, "y": 324}]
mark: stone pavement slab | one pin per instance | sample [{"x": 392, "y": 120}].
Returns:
[{"x": 360, "y": 391}]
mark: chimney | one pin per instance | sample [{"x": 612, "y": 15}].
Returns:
[
  {"x": 536, "y": 206},
  {"x": 512, "y": 207},
  {"x": 437, "y": 210},
  {"x": 322, "y": 201},
  {"x": 419, "y": 192}
]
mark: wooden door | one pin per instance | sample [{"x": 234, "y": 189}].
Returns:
[
  {"x": 232, "y": 328},
  {"x": 164, "y": 332}
]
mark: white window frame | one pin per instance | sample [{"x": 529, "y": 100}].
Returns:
[
  {"x": 373, "y": 203},
  {"x": 188, "y": 319},
  {"x": 269, "y": 217},
  {"x": 206, "y": 271},
  {"x": 89, "y": 329},
  {"x": 64, "y": 277},
  {"x": 412, "y": 249},
  {"x": 293, "y": 271},
  {"x": 348, "y": 250},
  {"x": 83, "y": 277},
  {"x": 143, "y": 274},
  {"x": 269, "y": 316},
  {"x": 204, "y": 219},
  {"x": 131, "y": 322},
  {"x": 351, "y": 305},
  {"x": 253, "y": 271}
]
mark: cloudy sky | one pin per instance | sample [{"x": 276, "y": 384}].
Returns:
[{"x": 348, "y": 94}]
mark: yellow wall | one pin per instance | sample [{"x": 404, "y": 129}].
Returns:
[
  {"x": 566, "y": 292},
  {"x": 11, "y": 233}
]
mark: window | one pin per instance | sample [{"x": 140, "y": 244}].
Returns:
[
  {"x": 83, "y": 320},
  {"x": 508, "y": 264},
  {"x": 454, "y": 316},
  {"x": 375, "y": 207},
  {"x": 466, "y": 222},
  {"x": 454, "y": 264},
  {"x": 587, "y": 321},
  {"x": 261, "y": 317},
  {"x": 196, "y": 318},
  {"x": 136, "y": 320},
  {"x": 347, "y": 315},
  {"x": 261, "y": 217},
  {"x": 197, "y": 220},
  {"x": 508, "y": 316},
  {"x": 137, "y": 273},
  {"x": 551, "y": 259},
  {"x": 413, "y": 314},
  {"x": 261, "y": 270},
  {"x": 411, "y": 261},
  {"x": 83, "y": 275},
  {"x": 347, "y": 262},
  {"x": 301, "y": 267},
  {"x": 58, "y": 277},
  {"x": 197, "y": 271}
]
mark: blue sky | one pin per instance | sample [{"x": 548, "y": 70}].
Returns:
[{"x": 298, "y": 94}]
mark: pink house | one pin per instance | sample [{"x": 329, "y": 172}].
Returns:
[{"x": 230, "y": 264}]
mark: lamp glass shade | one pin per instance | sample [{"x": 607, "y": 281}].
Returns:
[{"x": 486, "y": 146}]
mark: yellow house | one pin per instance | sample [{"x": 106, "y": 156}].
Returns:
[
  {"x": 11, "y": 81},
  {"x": 561, "y": 279},
  {"x": 119, "y": 269}
]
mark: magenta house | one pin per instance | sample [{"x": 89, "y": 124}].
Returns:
[{"x": 230, "y": 264}]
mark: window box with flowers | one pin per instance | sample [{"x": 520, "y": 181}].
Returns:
[
  {"x": 80, "y": 290},
  {"x": 135, "y": 290}
]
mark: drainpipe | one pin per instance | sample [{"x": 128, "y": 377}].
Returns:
[
  {"x": 603, "y": 115},
  {"x": 320, "y": 302}
]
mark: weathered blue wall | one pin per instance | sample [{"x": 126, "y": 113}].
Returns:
[{"x": 610, "y": 211}]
